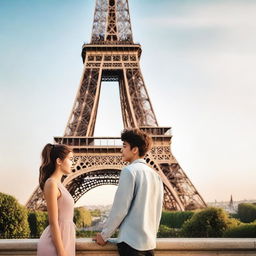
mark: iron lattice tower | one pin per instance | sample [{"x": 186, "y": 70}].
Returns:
[{"x": 113, "y": 56}]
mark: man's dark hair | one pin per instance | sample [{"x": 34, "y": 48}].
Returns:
[{"x": 137, "y": 138}]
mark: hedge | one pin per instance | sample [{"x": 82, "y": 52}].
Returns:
[
  {"x": 165, "y": 231},
  {"x": 247, "y": 212},
  {"x": 38, "y": 221},
  {"x": 243, "y": 230},
  {"x": 175, "y": 219}
]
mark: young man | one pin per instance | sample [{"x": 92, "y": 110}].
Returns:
[{"x": 137, "y": 206}]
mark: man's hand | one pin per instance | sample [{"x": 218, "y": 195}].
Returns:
[{"x": 99, "y": 240}]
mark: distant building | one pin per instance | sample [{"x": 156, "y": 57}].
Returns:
[{"x": 231, "y": 206}]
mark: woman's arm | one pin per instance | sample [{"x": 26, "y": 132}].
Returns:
[{"x": 51, "y": 193}]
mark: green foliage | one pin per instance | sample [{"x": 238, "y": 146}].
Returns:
[
  {"x": 83, "y": 233},
  {"x": 14, "y": 218},
  {"x": 82, "y": 217},
  {"x": 234, "y": 215},
  {"x": 209, "y": 222},
  {"x": 247, "y": 212},
  {"x": 165, "y": 231},
  {"x": 95, "y": 213},
  {"x": 243, "y": 230},
  {"x": 38, "y": 221},
  {"x": 175, "y": 219},
  {"x": 233, "y": 222}
]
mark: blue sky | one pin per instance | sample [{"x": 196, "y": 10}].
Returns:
[{"x": 198, "y": 64}]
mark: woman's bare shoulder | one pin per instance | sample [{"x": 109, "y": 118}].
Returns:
[{"x": 50, "y": 184}]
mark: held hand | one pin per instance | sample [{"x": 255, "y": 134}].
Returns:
[{"x": 99, "y": 240}]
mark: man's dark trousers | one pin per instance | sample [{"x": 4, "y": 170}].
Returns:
[{"x": 126, "y": 250}]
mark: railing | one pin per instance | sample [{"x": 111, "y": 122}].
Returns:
[
  {"x": 77, "y": 141},
  {"x": 157, "y": 133},
  {"x": 165, "y": 246},
  {"x": 102, "y": 42}
]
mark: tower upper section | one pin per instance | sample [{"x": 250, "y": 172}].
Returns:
[{"x": 112, "y": 24}]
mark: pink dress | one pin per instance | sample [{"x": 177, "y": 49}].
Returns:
[{"x": 45, "y": 245}]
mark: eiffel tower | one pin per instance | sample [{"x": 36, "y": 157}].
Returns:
[{"x": 113, "y": 56}]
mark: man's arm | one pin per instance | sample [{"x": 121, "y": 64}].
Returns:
[{"x": 121, "y": 205}]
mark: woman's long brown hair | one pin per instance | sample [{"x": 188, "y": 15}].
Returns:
[{"x": 49, "y": 155}]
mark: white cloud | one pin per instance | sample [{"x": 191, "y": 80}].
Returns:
[{"x": 221, "y": 15}]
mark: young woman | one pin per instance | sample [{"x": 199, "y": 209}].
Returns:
[{"x": 58, "y": 239}]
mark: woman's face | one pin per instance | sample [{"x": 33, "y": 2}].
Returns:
[{"x": 66, "y": 164}]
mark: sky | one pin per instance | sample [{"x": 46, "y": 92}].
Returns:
[{"x": 198, "y": 63}]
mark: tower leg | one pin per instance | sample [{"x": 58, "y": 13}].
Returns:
[
  {"x": 137, "y": 109},
  {"x": 83, "y": 116}
]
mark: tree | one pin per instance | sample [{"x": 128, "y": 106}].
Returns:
[
  {"x": 82, "y": 217},
  {"x": 14, "y": 218},
  {"x": 209, "y": 222},
  {"x": 38, "y": 221}
]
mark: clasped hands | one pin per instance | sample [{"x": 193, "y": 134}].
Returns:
[{"x": 99, "y": 240}]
